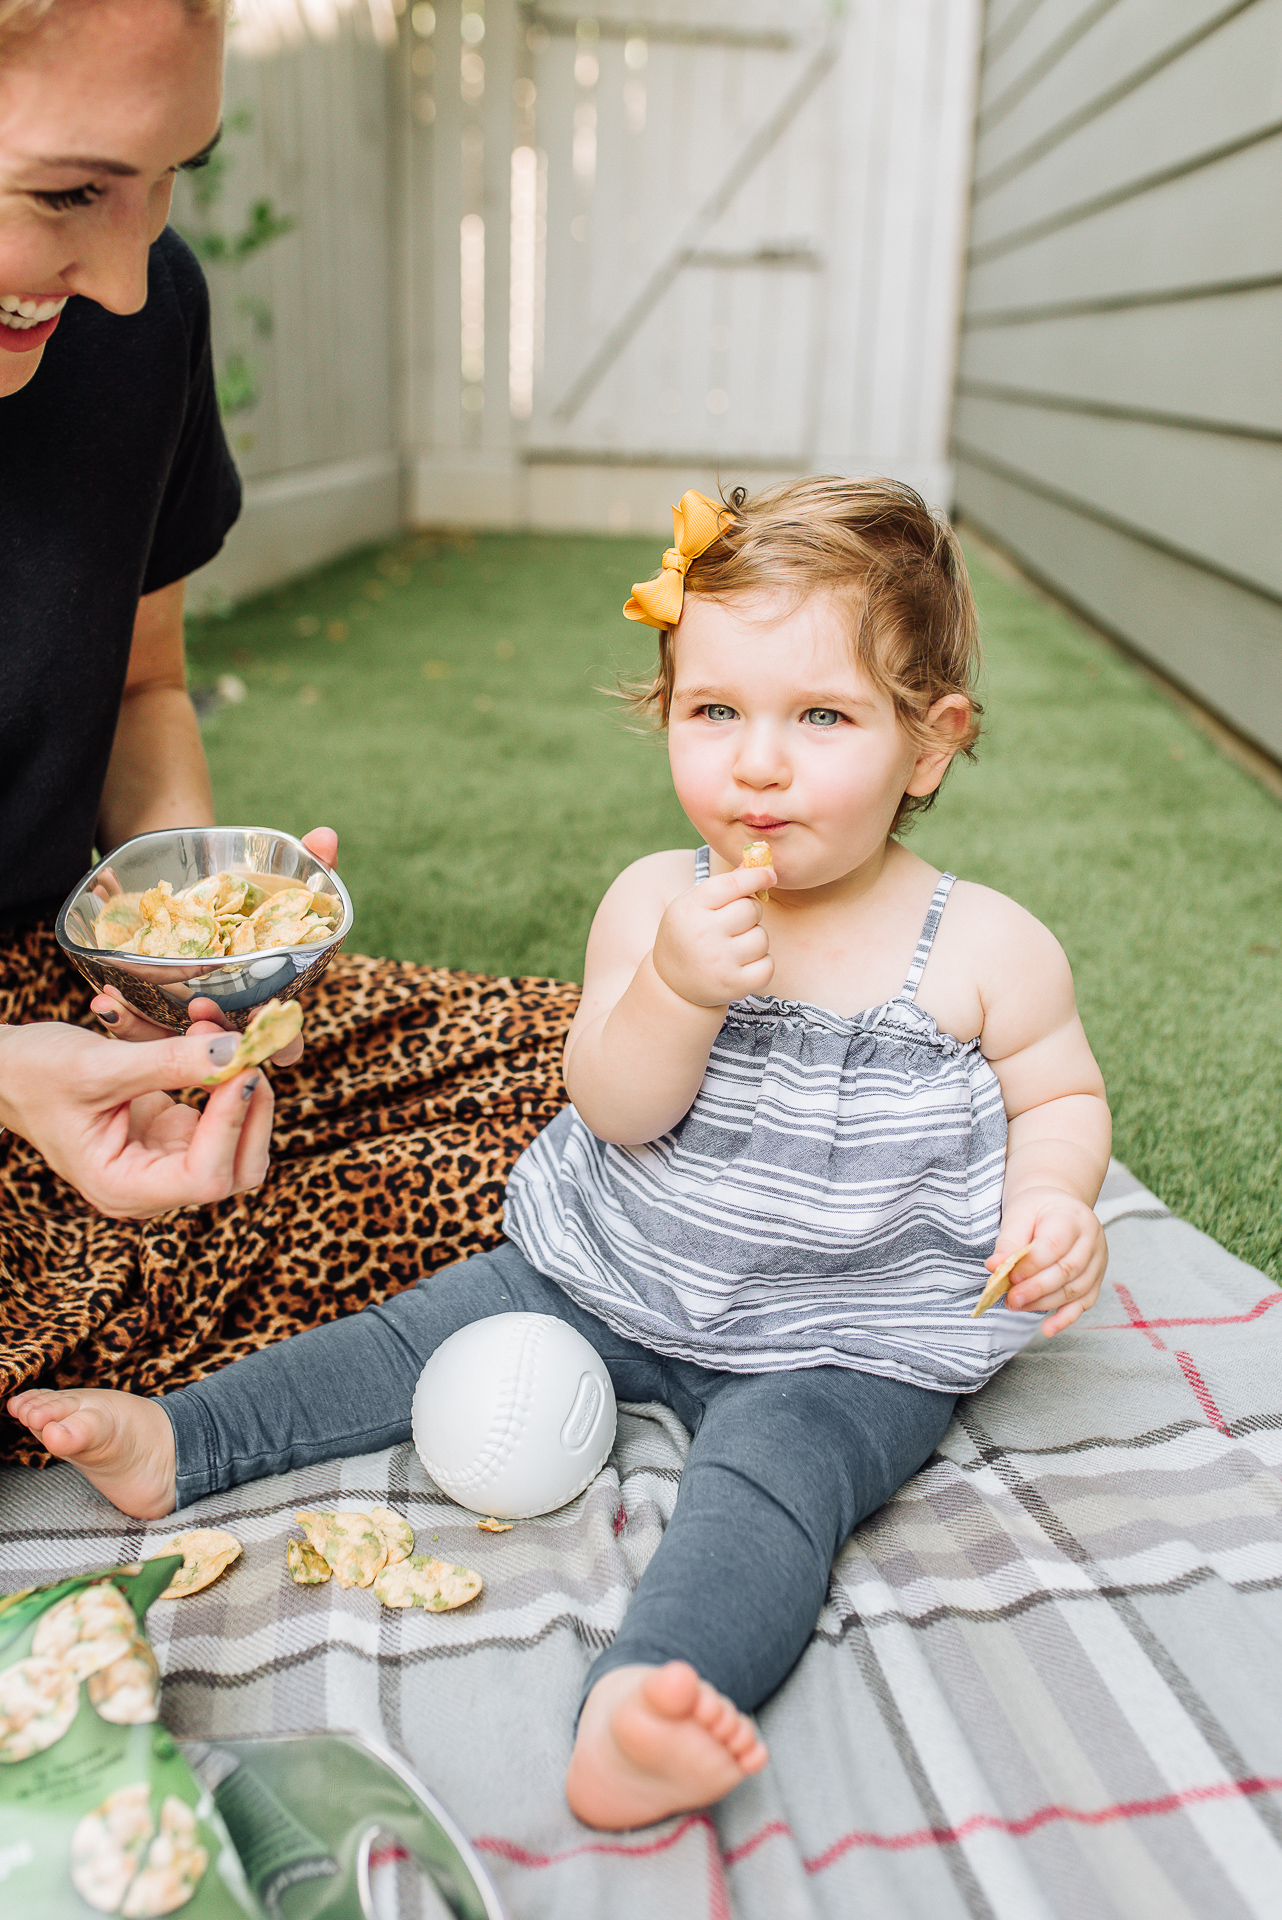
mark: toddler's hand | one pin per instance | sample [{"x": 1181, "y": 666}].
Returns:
[
  {"x": 711, "y": 947},
  {"x": 1061, "y": 1275}
]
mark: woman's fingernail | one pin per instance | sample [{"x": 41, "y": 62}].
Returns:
[
  {"x": 109, "y": 1018},
  {"x": 247, "y": 1091},
  {"x": 222, "y": 1050}
]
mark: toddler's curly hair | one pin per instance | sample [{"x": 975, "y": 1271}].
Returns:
[{"x": 895, "y": 571}]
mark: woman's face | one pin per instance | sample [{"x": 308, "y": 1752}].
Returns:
[{"x": 99, "y": 106}]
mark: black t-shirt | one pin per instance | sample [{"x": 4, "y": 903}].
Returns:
[{"x": 117, "y": 481}]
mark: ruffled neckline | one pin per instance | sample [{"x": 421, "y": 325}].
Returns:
[{"x": 898, "y": 1016}]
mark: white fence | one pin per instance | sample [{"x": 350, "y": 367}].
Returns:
[
  {"x": 320, "y": 451},
  {"x": 550, "y": 269}
]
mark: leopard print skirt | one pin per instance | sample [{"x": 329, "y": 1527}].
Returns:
[{"x": 393, "y": 1140}]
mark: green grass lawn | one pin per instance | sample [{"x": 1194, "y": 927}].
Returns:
[{"x": 439, "y": 702}]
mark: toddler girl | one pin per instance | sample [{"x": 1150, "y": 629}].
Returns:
[{"x": 813, "y": 1104}]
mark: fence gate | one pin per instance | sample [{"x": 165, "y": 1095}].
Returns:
[
  {"x": 662, "y": 245},
  {"x": 592, "y": 257}
]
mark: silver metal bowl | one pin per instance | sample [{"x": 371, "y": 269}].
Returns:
[{"x": 162, "y": 989}]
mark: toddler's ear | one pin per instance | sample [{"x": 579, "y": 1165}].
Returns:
[{"x": 949, "y": 722}]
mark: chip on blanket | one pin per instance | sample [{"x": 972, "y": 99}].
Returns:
[
  {"x": 377, "y": 1549},
  {"x": 398, "y": 1534},
  {"x": 434, "y": 1584},
  {"x": 206, "y": 1552},
  {"x": 307, "y": 1568},
  {"x": 350, "y": 1544}
]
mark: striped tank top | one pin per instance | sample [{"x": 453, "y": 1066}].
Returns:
[{"x": 828, "y": 1200}]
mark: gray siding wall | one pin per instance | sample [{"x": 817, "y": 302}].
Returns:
[{"x": 1118, "y": 420}]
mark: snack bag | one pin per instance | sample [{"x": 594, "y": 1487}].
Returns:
[{"x": 99, "y": 1811}]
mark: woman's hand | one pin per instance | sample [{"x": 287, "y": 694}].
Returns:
[
  {"x": 101, "y": 1118},
  {"x": 711, "y": 947},
  {"x": 1062, "y": 1273},
  {"x": 115, "y": 1012}
]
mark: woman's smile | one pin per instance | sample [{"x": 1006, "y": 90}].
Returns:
[{"x": 28, "y": 319}]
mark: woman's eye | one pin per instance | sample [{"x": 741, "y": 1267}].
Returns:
[
  {"x": 719, "y": 713},
  {"x": 68, "y": 198},
  {"x": 822, "y": 716}
]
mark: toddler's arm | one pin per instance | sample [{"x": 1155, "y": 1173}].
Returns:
[
  {"x": 1060, "y": 1129},
  {"x": 664, "y": 960}
]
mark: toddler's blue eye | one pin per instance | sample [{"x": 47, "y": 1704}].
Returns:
[
  {"x": 720, "y": 713},
  {"x": 822, "y": 716}
]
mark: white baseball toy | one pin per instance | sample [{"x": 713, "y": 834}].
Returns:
[{"x": 514, "y": 1415}]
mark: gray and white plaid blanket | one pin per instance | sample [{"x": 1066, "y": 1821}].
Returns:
[{"x": 1046, "y": 1680}]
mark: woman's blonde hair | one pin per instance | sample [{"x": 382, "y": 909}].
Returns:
[
  {"x": 894, "y": 569},
  {"x": 20, "y": 16}
]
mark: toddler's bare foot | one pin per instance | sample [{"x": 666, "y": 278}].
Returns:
[
  {"x": 654, "y": 1741},
  {"x": 123, "y": 1444}
]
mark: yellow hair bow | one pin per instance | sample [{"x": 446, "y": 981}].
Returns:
[{"x": 695, "y": 525}]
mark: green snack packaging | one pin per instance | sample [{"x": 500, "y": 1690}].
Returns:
[
  {"x": 103, "y": 1812},
  {"x": 99, "y": 1811}
]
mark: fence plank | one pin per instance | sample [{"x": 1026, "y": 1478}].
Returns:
[{"x": 318, "y": 449}]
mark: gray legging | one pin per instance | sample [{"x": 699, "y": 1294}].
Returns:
[{"x": 782, "y": 1467}]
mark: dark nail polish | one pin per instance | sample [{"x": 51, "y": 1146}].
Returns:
[
  {"x": 109, "y": 1018},
  {"x": 247, "y": 1091}
]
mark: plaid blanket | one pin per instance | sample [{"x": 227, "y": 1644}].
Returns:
[{"x": 1045, "y": 1681}]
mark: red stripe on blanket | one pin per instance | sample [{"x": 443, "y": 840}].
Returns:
[
  {"x": 1137, "y": 1324},
  {"x": 719, "y": 1894},
  {"x": 1136, "y": 1318},
  {"x": 1202, "y": 1393},
  {"x": 519, "y": 1856},
  {"x": 993, "y": 1823}
]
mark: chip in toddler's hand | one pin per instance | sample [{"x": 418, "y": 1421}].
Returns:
[
  {"x": 307, "y": 1568},
  {"x": 434, "y": 1584},
  {"x": 999, "y": 1282},
  {"x": 349, "y": 1543},
  {"x": 271, "y": 1028},
  {"x": 759, "y": 855}
]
